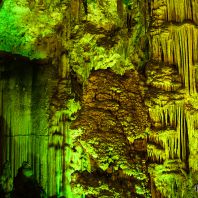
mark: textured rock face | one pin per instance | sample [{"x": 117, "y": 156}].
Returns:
[
  {"x": 86, "y": 122},
  {"x": 25, "y": 26},
  {"x": 98, "y": 30},
  {"x": 172, "y": 97},
  {"x": 114, "y": 120},
  {"x": 25, "y": 93}
]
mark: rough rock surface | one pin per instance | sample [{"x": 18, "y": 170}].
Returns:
[
  {"x": 114, "y": 120},
  {"x": 79, "y": 113},
  {"x": 172, "y": 98}
]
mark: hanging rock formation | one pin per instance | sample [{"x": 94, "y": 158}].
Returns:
[{"x": 172, "y": 97}]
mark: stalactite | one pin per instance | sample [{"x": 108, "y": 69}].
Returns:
[
  {"x": 177, "y": 11},
  {"x": 165, "y": 114},
  {"x": 180, "y": 41},
  {"x": 168, "y": 140},
  {"x": 154, "y": 153},
  {"x": 180, "y": 11},
  {"x": 174, "y": 141},
  {"x": 174, "y": 42}
]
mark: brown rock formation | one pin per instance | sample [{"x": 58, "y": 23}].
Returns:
[{"x": 114, "y": 119}]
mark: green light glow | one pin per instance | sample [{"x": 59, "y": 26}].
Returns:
[{"x": 111, "y": 99}]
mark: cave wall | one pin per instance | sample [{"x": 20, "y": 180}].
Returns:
[
  {"x": 112, "y": 110},
  {"x": 101, "y": 32},
  {"x": 172, "y": 97},
  {"x": 25, "y": 95}
]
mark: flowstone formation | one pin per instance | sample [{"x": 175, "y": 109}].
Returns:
[
  {"x": 113, "y": 119},
  {"x": 172, "y": 98}
]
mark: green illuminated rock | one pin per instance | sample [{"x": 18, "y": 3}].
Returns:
[{"x": 100, "y": 97}]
